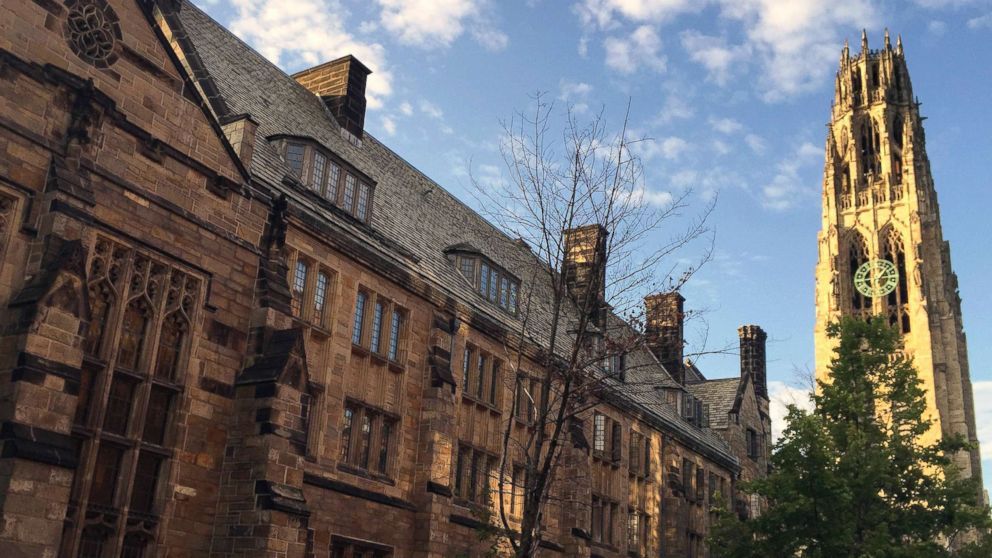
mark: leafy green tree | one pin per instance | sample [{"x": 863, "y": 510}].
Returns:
[{"x": 852, "y": 478}]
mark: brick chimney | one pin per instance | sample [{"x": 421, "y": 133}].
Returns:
[
  {"x": 585, "y": 269},
  {"x": 753, "y": 357},
  {"x": 664, "y": 327},
  {"x": 341, "y": 85}
]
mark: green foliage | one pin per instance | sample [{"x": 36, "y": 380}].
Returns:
[{"x": 852, "y": 478}]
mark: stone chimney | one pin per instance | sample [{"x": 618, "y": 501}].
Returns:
[
  {"x": 664, "y": 326},
  {"x": 341, "y": 85},
  {"x": 240, "y": 131},
  {"x": 585, "y": 270},
  {"x": 753, "y": 357}
]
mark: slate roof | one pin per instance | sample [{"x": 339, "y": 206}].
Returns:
[
  {"x": 721, "y": 395},
  {"x": 414, "y": 219}
]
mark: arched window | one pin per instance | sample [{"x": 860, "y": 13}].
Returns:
[
  {"x": 897, "y": 130},
  {"x": 857, "y": 256},
  {"x": 856, "y": 86},
  {"x": 101, "y": 301},
  {"x": 133, "y": 330},
  {"x": 896, "y": 301},
  {"x": 170, "y": 346},
  {"x": 141, "y": 310}
]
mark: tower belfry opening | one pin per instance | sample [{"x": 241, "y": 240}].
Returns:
[{"x": 881, "y": 247}]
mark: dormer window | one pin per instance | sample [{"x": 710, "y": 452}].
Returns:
[
  {"x": 489, "y": 280},
  {"x": 329, "y": 177}
]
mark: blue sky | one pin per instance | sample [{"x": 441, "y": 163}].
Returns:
[{"x": 734, "y": 93}]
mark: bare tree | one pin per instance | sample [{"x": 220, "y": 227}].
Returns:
[{"x": 589, "y": 179}]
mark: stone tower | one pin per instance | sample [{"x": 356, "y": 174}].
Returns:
[{"x": 880, "y": 215}]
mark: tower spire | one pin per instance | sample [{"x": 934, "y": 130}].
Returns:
[
  {"x": 846, "y": 53},
  {"x": 899, "y": 43},
  {"x": 888, "y": 45},
  {"x": 864, "y": 41}
]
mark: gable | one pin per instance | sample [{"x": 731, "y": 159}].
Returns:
[{"x": 115, "y": 44}]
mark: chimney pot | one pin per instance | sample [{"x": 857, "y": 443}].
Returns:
[
  {"x": 341, "y": 85},
  {"x": 665, "y": 313}
]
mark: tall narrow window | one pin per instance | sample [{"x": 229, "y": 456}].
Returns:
[
  {"x": 104, "y": 482},
  {"x": 504, "y": 292},
  {"x": 466, "y": 367},
  {"x": 348, "y": 199},
  {"x": 294, "y": 158},
  {"x": 299, "y": 284},
  {"x": 365, "y": 440},
  {"x": 377, "y": 326},
  {"x": 385, "y": 441},
  {"x": 356, "y": 334},
  {"x": 145, "y": 481},
  {"x": 159, "y": 404},
  {"x": 170, "y": 346},
  {"x": 333, "y": 178},
  {"x": 101, "y": 301},
  {"x": 320, "y": 297},
  {"x": 493, "y": 284},
  {"x": 119, "y": 405},
  {"x": 133, "y": 334},
  {"x": 484, "y": 280},
  {"x": 362, "y": 208},
  {"x": 480, "y": 386},
  {"x": 494, "y": 382},
  {"x": 512, "y": 304},
  {"x": 599, "y": 432},
  {"x": 857, "y": 255},
  {"x": 317, "y": 176},
  {"x": 395, "y": 328},
  {"x": 467, "y": 267},
  {"x": 349, "y": 418}
]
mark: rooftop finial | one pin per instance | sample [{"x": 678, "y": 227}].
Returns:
[
  {"x": 899, "y": 43},
  {"x": 846, "y": 53},
  {"x": 888, "y": 45},
  {"x": 864, "y": 40}
]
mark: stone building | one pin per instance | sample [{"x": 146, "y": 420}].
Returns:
[
  {"x": 233, "y": 323},
  {"x": 881, "y": 249}
]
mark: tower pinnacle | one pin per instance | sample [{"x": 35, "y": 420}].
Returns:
[{"x": 864, "y": 41}]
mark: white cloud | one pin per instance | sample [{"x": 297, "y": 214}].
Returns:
[
  {"x": 431, "y": 110},
  {"x": 982, "y": 392},
  {"x": 981, "y": 22},
  {"x": 602, "y": 13},
  {"x": 781, "y": 395},
  {"x": 406, "y": 108},
  {"x": 726, "y": 125},
  {"x": 720, "y": 60},
  {"x": 656, "y": 198},
  {"x": 389, "y": 125},
  {"x": 574, "y": 94},
  {"x": 755, "y": 142},
  {"x": 786, "y": 189},
  {"x": 937, "y": 27},
  {"x": 303, "y": 33},
  {"x": 438, "y": 23},
  {"x": 675, "y": 107},
  {"x": 672, "y": 147},
  {"x": 720, "y": 147},
  {"x": 641, "y": 48},
  {"x": 796, "y": 41},
  {"x": 490, "y": 38}
]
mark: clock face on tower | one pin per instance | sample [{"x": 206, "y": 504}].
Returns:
[{"x": 876, "y": 278}]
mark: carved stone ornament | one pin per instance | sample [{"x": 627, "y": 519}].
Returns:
[{"x": 92, "y": 30}]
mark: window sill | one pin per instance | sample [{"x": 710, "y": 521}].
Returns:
[
  {"x": 365, "y": 474},
  {"x": 395, "y": 366},
  {"x": 360, "y": 350}
]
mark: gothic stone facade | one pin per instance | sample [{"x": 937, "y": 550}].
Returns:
[
  {"x": 229, "y": 325},
  {"x": 879, "y": 203}
]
